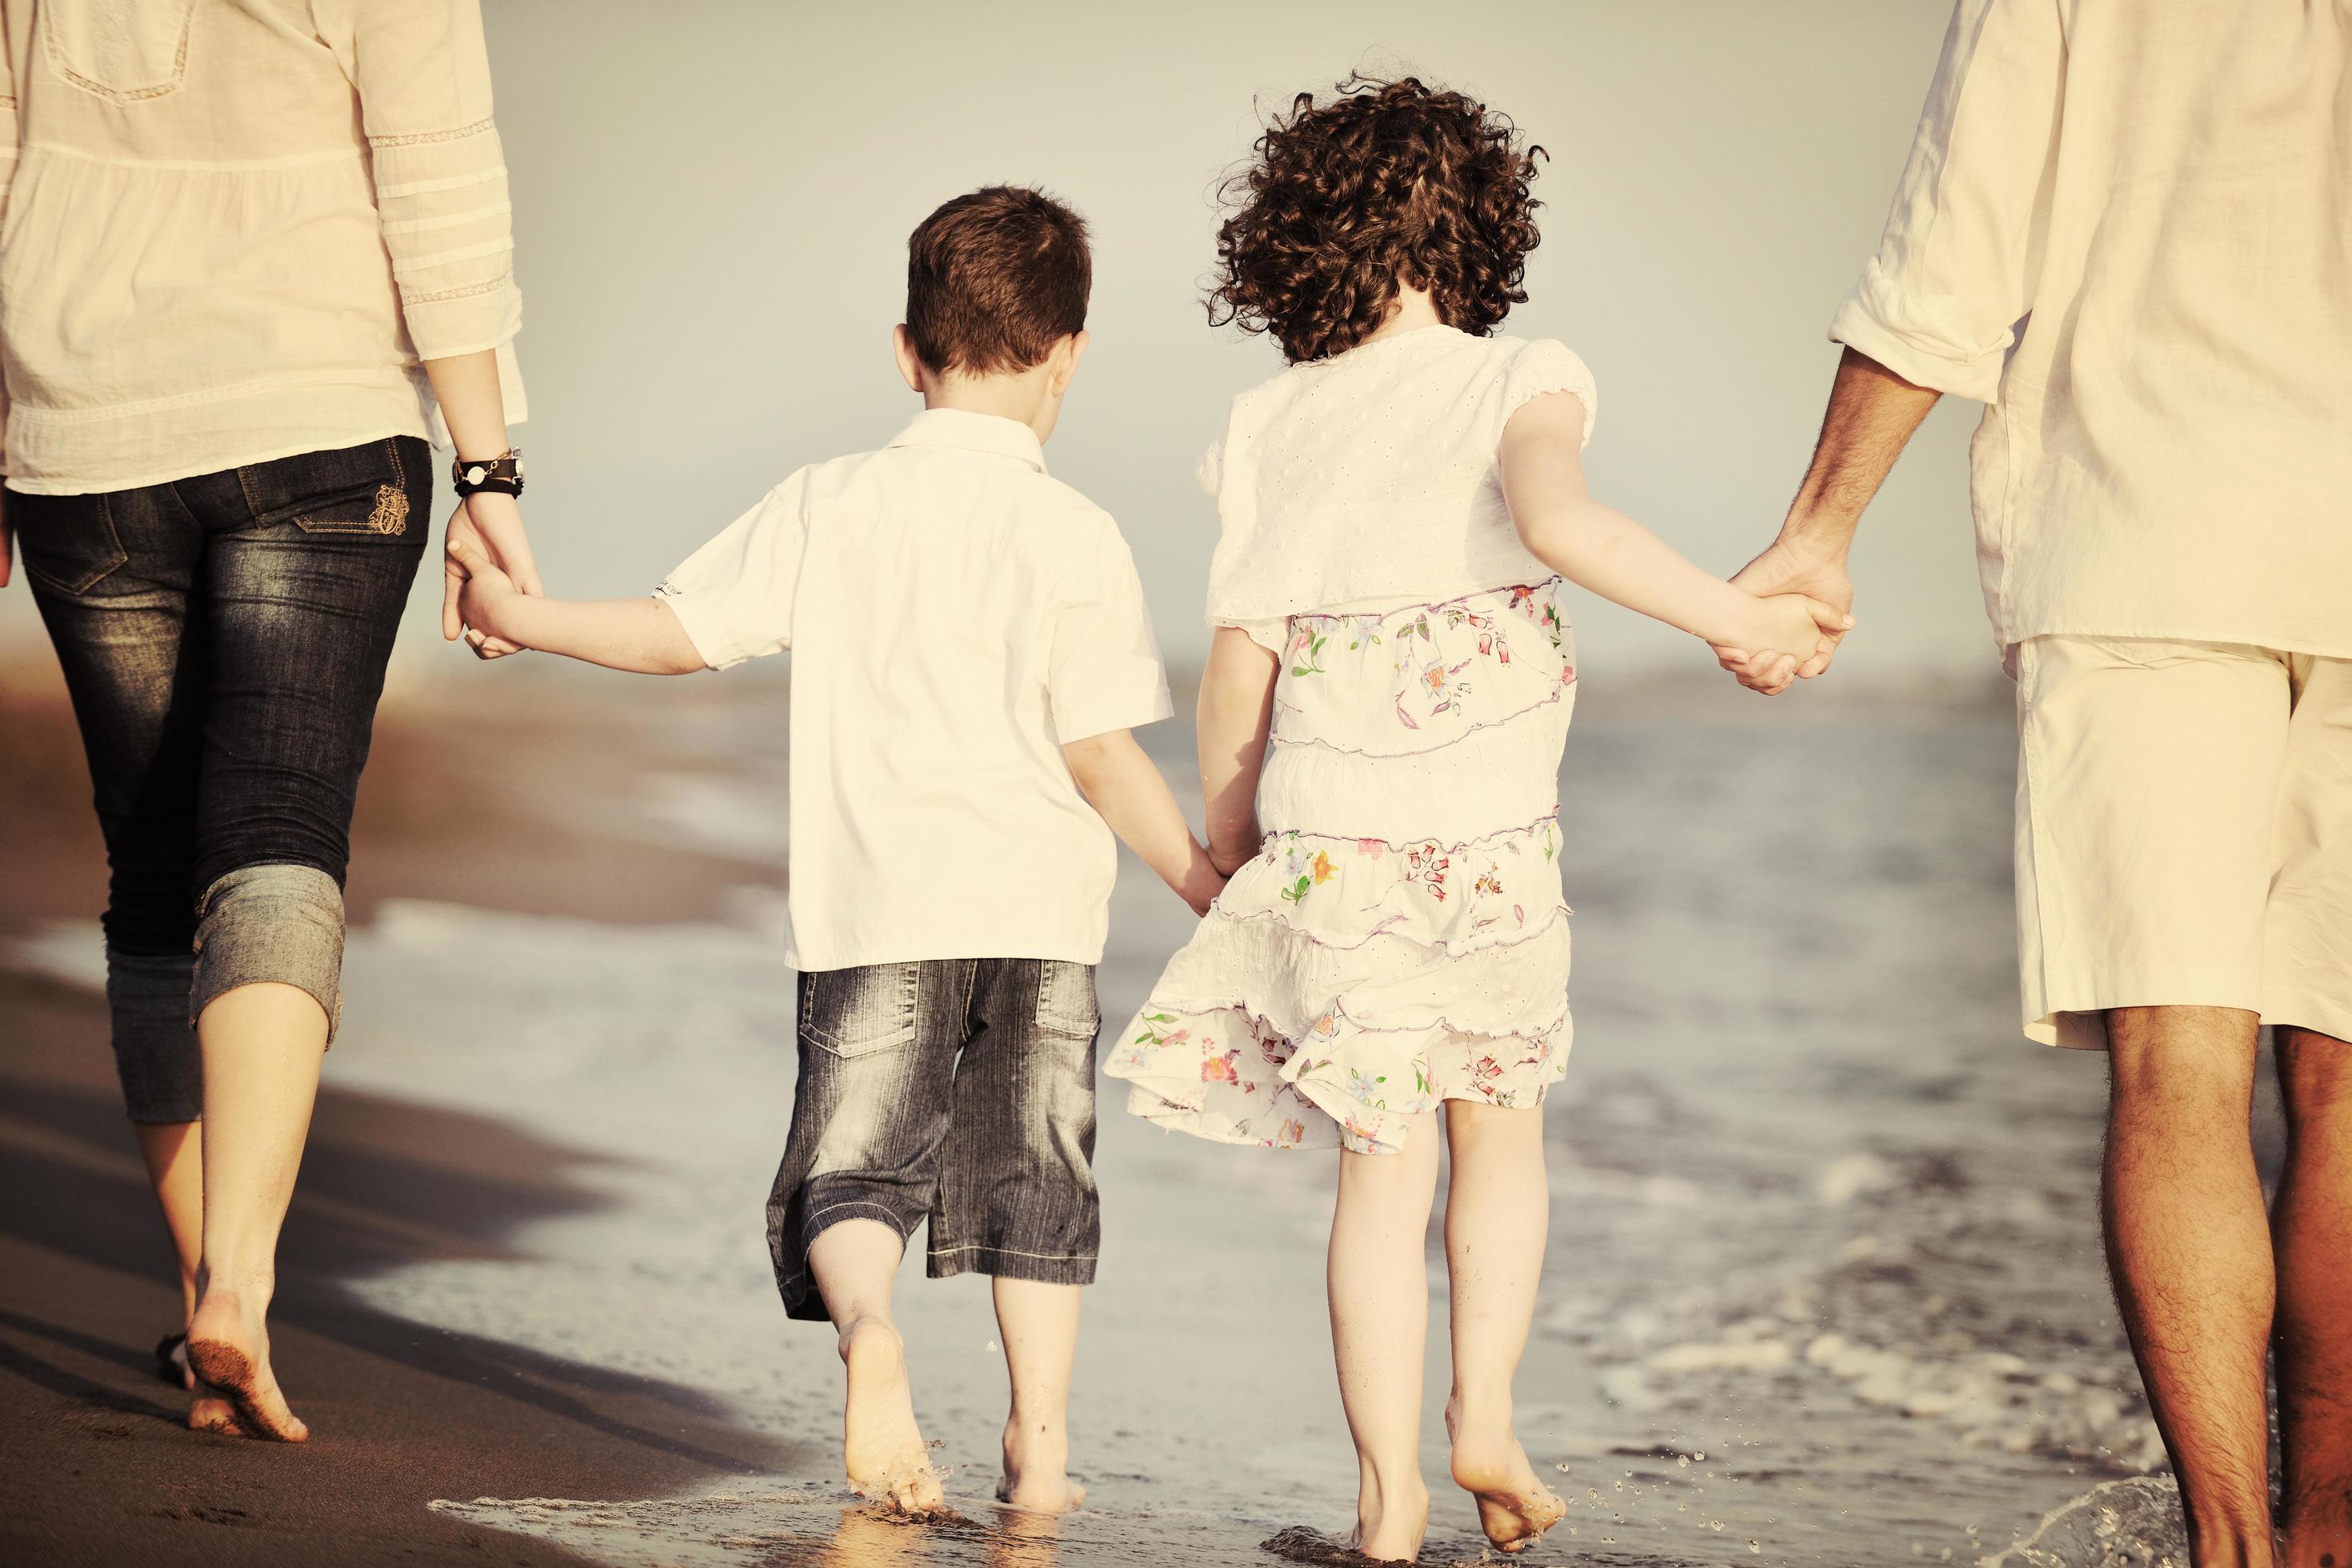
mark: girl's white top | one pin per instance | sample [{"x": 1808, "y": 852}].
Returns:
[
  {"x": 1400, "y": 938},
  {"x": 1371, "y": 477},
  {"x": 232, "y": 227}
]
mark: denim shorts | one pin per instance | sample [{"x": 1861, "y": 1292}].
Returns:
[
  {"x": 224, "y": 638},
  {"x": 960, "y": 1091}
]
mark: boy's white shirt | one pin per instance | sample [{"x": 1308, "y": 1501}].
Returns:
[{"x": 956, "y": 617}]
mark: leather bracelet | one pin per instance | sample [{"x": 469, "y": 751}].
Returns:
[{"x": 500, "y": 476}]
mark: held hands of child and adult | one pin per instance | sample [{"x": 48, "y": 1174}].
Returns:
[
  {"x": 1793, "y": 564},
  {"x": 489, "y": 527}
]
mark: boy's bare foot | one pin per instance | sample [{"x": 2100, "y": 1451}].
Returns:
[
  {"x": 1389, "y": 1530},
  {"x": 229, "y": 1348},
  {"x": 1514, "y": 1506},
  {"x": 886, "y": 1457},
  {"x": 1037, "y": 1474}
]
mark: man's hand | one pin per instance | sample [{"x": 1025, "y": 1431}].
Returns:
[
  {"x": 491, "y": 528},
  {"x": 1790, "y": 566}
]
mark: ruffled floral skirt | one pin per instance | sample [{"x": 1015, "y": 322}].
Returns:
[{"x": 1401, "y": 939}]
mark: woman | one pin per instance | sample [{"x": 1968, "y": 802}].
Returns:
[{"x": 248, "y": 246}]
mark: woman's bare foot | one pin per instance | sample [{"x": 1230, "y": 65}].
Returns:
[
  {"x": 228, "y": 1347},
  {"x": 208, "y": 1412},
  {"x": 1389, "y": 1530},
  {"x": 1036, "y": 1470},
  {"x": 1514, "y": 1505},
  {"x": 885, "y": 1456}
]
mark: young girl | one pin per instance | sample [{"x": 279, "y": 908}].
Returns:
[{"x": 1380, "y": 727}]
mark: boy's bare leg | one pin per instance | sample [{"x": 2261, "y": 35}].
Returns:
[
  {"x": 1039, "y": 1325},
  {"x": 855, "y": 1263},
  {"x": 174, "y": 1155},
  {"x": 1379, "y": 1280},
  {"x": 2311, "y": 1224},
  {"x": 262, "y": 1045},
  {"x": 2189, "y": 1247},
  {"x": 1498, "y": 1210}
]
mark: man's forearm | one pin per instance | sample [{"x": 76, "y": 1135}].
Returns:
[{"x": 1872, "y": 415}]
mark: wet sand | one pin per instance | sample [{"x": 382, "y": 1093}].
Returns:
[{"x": 1822, "y": 1286}]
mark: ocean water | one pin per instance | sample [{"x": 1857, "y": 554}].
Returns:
[{"x": 1823, "y": 1282}]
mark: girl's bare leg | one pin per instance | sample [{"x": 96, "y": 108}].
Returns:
[
  {"x": 1497, "y": 1211},
  {"x": 1379, "y": 1279}
]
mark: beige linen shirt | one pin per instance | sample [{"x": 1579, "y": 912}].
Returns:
[
  {"x": 232, "y": 228},
  {"x": 2127, "y": 227}
]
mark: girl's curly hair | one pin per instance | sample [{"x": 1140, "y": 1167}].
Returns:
[{"x": 1388, "y": 179}]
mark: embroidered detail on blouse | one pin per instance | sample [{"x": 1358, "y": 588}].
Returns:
[
  {"x": 420, "y": 137},
  {"x": 470, "y": 290}
]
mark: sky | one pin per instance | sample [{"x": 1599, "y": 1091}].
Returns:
[{"x": 712, "y": 199}]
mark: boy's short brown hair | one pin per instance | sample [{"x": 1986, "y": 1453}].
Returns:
[{"x": 994, "y": 280}]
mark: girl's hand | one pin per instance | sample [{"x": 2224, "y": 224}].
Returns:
[
  {"x": 1787, "y": 633},
  {"x": 482, "y": 594},
  {"x": 492, "y": 527}
]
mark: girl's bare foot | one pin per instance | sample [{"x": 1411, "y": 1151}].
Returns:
[
  {"x": 886, "y": 1457},
  {"x": 1389, "y": 1530},
  {"x": 1514, "y": 1506},
  {"x": 229, "y": 1348},
  {"x": 1036, "y": 1470}
]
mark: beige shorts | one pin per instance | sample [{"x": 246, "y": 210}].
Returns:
[{"x": 2184, "y": 832}]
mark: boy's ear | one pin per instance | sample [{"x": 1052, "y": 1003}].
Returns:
[
  {"x": 911, "y": 363},
  {"x": 1066, "y": 354}
]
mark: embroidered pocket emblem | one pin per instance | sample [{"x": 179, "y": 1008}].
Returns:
[{"x": 391, "y": 514}]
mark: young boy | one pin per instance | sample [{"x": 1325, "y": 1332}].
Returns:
[{"x": 970, "y": 648}]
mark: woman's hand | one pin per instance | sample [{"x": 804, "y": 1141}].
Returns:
[
  {"x": 492, "y": 527},
  {"x": 7, "y": 541}
]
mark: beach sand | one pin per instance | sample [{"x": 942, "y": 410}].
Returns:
[{"x": 1823, "y": 1282}]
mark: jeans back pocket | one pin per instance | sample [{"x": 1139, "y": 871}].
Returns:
[
  {"x": 363, "y": 489},
  {"x": 69, "y": 542},
  {"x": 1066, "y": 999},
  {"x": 126, "y": 51},
  {"x": 856, "y": 1012}
]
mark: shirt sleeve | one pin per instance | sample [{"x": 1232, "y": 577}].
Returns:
[
  {"x": 1546, "y": 365},
  {"x": 421, "y": 71},
  {"x": 1106, "y": 672},
  {"x": 1271, "y": 634},
  {"x": 734, "y": 595},
  {"x": 11, "y": 139},
  {"x": 1961, "y": 257}
]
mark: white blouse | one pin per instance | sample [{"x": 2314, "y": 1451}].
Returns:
[
  {"x": 1370, "y": 478},
  {"x": 2127, "y": 227},
  {"x": 232, "y": 228}
]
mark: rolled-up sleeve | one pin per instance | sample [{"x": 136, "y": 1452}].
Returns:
[
  {"x": 422, "y": 74},
  {"x": 1956, "y": 268}
]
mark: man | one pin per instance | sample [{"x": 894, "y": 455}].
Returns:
[{"x": 2125, "y": 226}]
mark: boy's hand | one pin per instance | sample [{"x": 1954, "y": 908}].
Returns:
[
  {"x": 483, "y": 593},
  {"x": 492, "y": 525},
  {"x": 1787, "y": 632}
]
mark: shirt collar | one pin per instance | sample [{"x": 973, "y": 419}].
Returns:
[{"x": 965, "y": 431}]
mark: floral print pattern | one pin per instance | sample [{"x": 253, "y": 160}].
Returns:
[{"x": 1345, "y": 983}]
